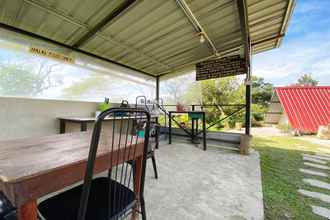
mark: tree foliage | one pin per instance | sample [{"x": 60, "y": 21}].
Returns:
[
  {"x": 86, "y": 86},
  {"x": 26, "y": 80},
  {"x": 261, "y": 91},
  {"x": 307, "y": 80},
  {"x": 220, "y": 93}
]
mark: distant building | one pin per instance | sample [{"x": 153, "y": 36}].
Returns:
[{"x": 304, "y": 108}]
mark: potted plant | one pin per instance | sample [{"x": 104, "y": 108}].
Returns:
[{"x": 102, "y": 107}]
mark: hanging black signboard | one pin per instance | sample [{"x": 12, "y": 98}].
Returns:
[{"x": 227, "y": 66}]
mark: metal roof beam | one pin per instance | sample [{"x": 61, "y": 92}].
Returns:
[
  {"x": 197, "y": 26},
  {"x": 244, "y": 23},
  {"x": 80, "y": 24},
  {"x": 288, "y": 14},
  {"x": 39, "y": 37},
  {"x": 256, "y": 43},
  {"x": 107, "y": 19}
]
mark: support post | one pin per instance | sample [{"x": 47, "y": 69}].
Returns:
[
  {"x": 244, "y": 23},
  {"x": 157, "y": 98},
  {"x": 157, "y": 89},
  {"x": 248, "y": 109}
]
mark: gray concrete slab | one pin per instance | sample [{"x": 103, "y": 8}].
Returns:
[
  {"x": 321, "y": 211},
  {"x": 317, "y": 157},
  {"x": 317, "y": 183},
  {"x": 311, "y": 159},
  {"x": 313, "y": 172},
  {"x": 318, "y": 166},
  {"x": 315, "y": 195},
  {"x": 196, "y": 184}
]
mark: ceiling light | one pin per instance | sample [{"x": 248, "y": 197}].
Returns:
[{"x": 201, "y": 38}]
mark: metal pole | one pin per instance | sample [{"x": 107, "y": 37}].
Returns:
[
  {"x": 157, "y": 89},
  {"x": 244, "y": 23},
  {"x": 157, "y": 98},
  {"x": 248, "y": 109},
  {"x": 248, "y": 99}
]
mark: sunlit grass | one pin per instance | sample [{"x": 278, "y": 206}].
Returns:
[{"x": 281, "y": 158}]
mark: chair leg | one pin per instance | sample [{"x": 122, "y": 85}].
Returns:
[
  {"x": 133, "y": 170},
  {"x": 154, "y": 165},
  {"x": 143, "y": 208}
]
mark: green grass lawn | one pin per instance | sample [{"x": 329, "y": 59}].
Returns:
[{"x": 281, "y": 158}]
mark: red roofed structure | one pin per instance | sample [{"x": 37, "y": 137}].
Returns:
[{"x": 305, "y": 107}]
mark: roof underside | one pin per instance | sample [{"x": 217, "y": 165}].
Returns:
[
  {"x": 306, "y": 107},
  {"x": 155, "y": 37}
]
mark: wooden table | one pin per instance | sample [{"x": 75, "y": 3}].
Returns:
[
  {"x": 34, "y": 167},
  {"x": 83, "y": 121}
]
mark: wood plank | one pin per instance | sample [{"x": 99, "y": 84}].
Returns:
[
  {"x": 28, "y": 211},
  {"x": 33, "y": 167}
]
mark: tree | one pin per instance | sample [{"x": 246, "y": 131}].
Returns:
[
  {"x": 88, "y": 86},
  {"x": 261, "y": 91},
  {"x": 220, "y": 92},
  {"x": 174, "y": 89},
  {"x": 230, "y": 90},
  {"x": 18, "y": 79},
  {"x": 307, "y": 80}
]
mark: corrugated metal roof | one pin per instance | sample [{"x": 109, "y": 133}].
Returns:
[
  {"x": 306, "y": 107},
  {"x": 152, "y": 36}
]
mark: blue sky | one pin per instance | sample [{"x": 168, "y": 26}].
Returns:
[{"x": 305, "y": 48}]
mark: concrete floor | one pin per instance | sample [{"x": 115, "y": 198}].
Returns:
[
  {"x": 216, "y": 184},
  {"x": 197, "y": 184}
]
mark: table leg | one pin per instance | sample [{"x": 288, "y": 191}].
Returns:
[
  {"x": 62, "y": 126},
  {"x": 157, "y": 136},
  {"x": 204, "y": 132},
  {"x": 137, "y": 185},
  {"x": 28, "y": 211},
  {"x": 170, "y": 128},
  {"x": 83, "y": 126},
  {"x": 196, "y": 126},
  {"x": 192, "y": 130}
]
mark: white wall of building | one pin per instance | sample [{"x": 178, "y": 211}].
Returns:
[{"x": 25, "y": 117}]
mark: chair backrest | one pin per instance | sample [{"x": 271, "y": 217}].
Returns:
[
  {"x": 7, "y": 210},
  {"x": 120, "y": 139}
]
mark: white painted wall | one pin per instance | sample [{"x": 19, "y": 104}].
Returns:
[{"x": 25, "y": 117}]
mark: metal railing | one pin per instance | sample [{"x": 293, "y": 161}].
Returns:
[{"x": 193, "y": 107}]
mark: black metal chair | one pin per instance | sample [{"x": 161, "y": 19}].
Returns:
[
  {"x": 110, "y": 197},
  {"x": 153, "y": 142},
  {"x": 7, "y": 210}
]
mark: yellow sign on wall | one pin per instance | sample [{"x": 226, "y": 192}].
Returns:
[{"x": 51, "y": 54}]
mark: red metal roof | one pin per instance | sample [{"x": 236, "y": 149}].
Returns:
[{"x": 307, "y": 107}]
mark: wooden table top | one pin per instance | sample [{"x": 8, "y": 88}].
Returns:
[
  {"x": 33, "y": 167},
  {"x": 93, "y": 119}
]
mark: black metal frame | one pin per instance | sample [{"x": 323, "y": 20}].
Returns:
[
  {"x": 239, "y": 108},
  {"x": 92, "y": 156},
  {"x": 193, "y": 134},
  {"x": 151, "y": 149},
  {"x": 7, "y": 210},
  {"x": 244, "y": 23}
]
